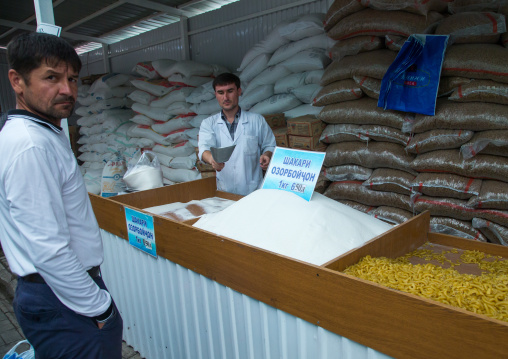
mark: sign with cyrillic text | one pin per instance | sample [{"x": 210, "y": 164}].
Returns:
[
  {"x": 141, "y": 231},
  {"x": 294, "y": 171}
]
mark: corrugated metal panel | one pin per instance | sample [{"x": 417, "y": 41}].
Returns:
[
  {"x": 215, "y": 46},
  {"x": 172, "y": 312}
]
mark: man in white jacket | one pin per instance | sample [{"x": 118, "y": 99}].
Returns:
[{"x": 249, "y": 132}]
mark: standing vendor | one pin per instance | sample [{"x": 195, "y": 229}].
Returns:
[{"x": 254, "y": 140}]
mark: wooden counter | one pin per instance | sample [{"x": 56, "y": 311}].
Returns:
[{"x": 398, "y": 324}]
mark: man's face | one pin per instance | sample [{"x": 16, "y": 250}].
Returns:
[
  {"x": 227, "y": 96},
  {"x": 49, "y": 92}
]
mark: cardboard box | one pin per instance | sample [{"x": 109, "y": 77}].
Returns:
[
  {"x": 305, "y": 126},
  {"x": 305, "y": 142},
  {"x": 281, "y": 136},
  {"x": 208, "y": 174},
  {"x": 276, "y": 120}
]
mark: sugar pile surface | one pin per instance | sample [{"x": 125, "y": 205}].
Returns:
[{"x": 281, "y": 222}]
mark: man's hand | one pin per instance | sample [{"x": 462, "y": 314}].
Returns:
[
  {"x": 207, "y": 157},
  {"x": 264, "y": 160}
]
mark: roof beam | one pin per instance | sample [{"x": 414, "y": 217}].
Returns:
[
  {"x": 95, "y": 14},
  {"x": 68, "y": 35},
  {"x": 29, "y": 19},
  {"x": 161, "y": 8}
]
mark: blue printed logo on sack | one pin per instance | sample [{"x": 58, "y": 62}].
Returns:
[{"x": 414, "y": 77}]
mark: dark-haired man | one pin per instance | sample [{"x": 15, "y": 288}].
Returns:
[
  {"x": 254, "y": 140},
  {"x": 48, "y": 230}
]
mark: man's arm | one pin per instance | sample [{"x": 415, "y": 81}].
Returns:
[
  {"x": 34, "y": 193},
  {"x": 207, "y": 157}
]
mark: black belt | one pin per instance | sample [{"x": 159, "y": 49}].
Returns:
[{"x": 37, "y": 278}]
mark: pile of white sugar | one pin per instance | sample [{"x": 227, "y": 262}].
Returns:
[{"x": 279, "y": 221}]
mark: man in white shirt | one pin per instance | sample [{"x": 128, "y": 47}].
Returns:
[
  {"x": 48, "y": 230},
  {"x": 249, "y": 132}
]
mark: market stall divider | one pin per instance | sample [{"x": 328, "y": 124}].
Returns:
[{"x": 208, "y": 273}]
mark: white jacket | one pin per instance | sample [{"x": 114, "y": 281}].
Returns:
[{"x": 242, "y": 173}]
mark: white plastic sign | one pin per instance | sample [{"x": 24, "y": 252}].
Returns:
[{"x": 294, "y": 171}]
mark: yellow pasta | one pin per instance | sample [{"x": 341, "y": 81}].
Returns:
[{"x": 485, "y": 294}]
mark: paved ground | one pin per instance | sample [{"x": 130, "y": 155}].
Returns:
[{"x": 10, "y": 332}]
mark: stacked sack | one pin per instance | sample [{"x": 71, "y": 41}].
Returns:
[
  {"x": 408, "y": 153},
  {"x": 463, "y": 169},
  {"x": 281, "y": 73},
  {"x": 164, "y": 115},
  {"x": 105, "y": 117}
]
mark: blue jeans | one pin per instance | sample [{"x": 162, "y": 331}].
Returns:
[{"x": 56, "y": 332}]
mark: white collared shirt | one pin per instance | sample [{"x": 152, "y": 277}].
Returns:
[{"x": 47, "y": 223}]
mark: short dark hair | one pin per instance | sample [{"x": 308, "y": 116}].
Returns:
[
  {"x": 26, "y": 52},
  {"x": 226, "y": 78}
]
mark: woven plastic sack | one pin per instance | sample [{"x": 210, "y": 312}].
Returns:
[
  {"x": 302, "y": 110},
  {"x": 481, "y": 91},
  {"x": 362, "y": 112},
  {"x": 350, "y": 132},
  {"x": 474, "y": 116},
  {"x": 455, "y": 227},
  {"x": 255, "y": 96},
  {"x": 446, "y": 185},
  {"x": 339, "y": 91},
  {"x": 493, "y": 194},
  {"x": 307, "y": 60},
  {"x": 369, "y": 86},
  {"x": 276, "y": 104},
  {"x": 438, "y": 140},
  {"x": 163, "y": 66},
  {"x": 285, "y": 52},
  {"x": 481, "y": 166},
  {"x": 448, "y": 84},
  {"x": 155, "y": 87},
  {"x": 411, "y": 82},
  {"x": 486, "y": 143},
  {"x": 371, "y": 63},
  {"x": 476, "y": 61},
  {"x": 354, "y": 46},
  {"x": 354, "y": 191},
  {"x": 182, "y": 149},
  {"x": 390, "y": 180},
  {"x": 179, "y": 94},
  {"x": 390, "y": 214},
  {"x": 347, "y": 173},
  {"x": 495, "y": 233},
  {"x": 394, "y": 42},
  {"x": 373, "y": 155},
  {"x": 381, "y": 23},
  {"x": 472, "y": 27}
]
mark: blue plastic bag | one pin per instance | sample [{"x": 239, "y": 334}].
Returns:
[
  {"x": 412, "y": 80},
  {"x": 12, "y": 354}
]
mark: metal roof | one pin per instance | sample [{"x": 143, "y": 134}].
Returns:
[{"x": 88, "y": 24}]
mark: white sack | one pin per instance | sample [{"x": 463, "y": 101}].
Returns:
[
  {"x": 179, "y": 175},
  {"x": 276, "y": 104},
  {"x": 206, "y": 108},
  {"x": 302, "y": 110},
  {"x": 182, "y": 149},
  {"x": 155, "y": 87},
  {"x": 254, "y": 68},
  {"x": 142, "y": 97},
  {"x": 178, "y": 94},
  {"x": 163, "y": 66},
  {"x": 306, "y": 93},
  {"x": 320, "y": 41},
  {"x": 172, "y": 125},
  {"x": 307, "y": 60},
  {"x": 258, "y": 94}
]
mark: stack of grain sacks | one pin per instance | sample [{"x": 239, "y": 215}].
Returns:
[
  {"x": 393, "y": 164},
  {"x": 165, "y": 116},
  {"x": 281, "y": 73},
  {"x": 104, "y": 107},
  {"x": 463, "y": 170}
]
